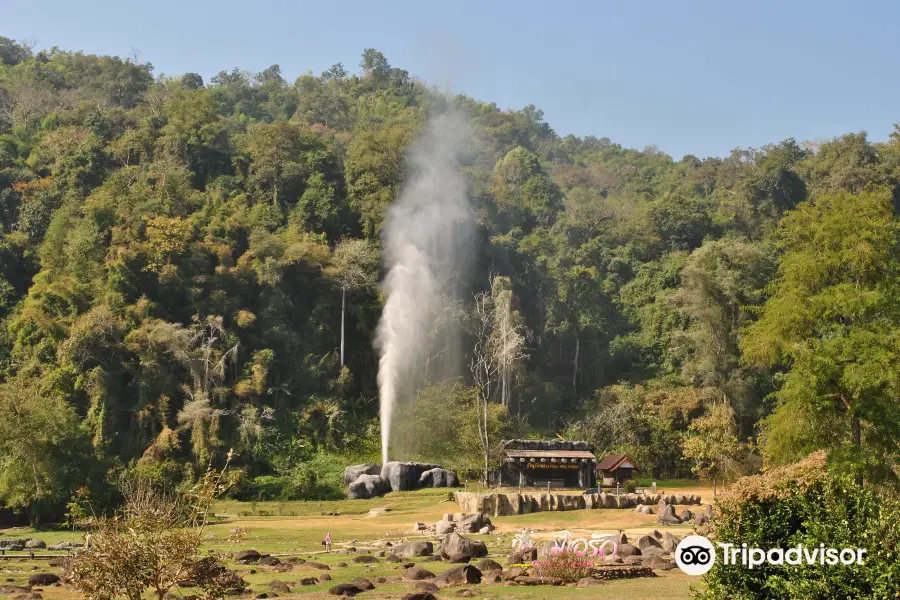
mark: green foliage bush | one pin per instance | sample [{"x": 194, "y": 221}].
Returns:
[{"x": 804, "y": 504}]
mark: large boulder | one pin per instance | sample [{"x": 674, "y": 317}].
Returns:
[
  {"x": 658, "y": 563},
  {"x": 455, "y": 544},
  {"x": 362, "y": 583},
  {"x": 368, "y": 486},
  {"x": 245, "y": 557},
  {"x": 626, "y": 550},
  {"x": 461, "y": 575},
  {"x": 444, "y": 527},
  {"x": 416, "y": 573},
  {"x": 411, "y": 549},
  {"x": 344, "y": 589},
  {"x": 41, "y": 579},
  {"x": 647, "y": 541},
  {"x": 438, "y": 477},
  {"x": 667, "y": 514},
  {"x": 13, "y": 545},
  {"x": 35, "y": 543},
  {"x": 404, "y": 476},
  {"x": 486, "y": 564},
  {"x": 353, "y": 472},
  {"x": 472, "y": 523}
]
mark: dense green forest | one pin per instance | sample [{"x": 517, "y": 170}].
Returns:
[{"x": 174, "y": 254}]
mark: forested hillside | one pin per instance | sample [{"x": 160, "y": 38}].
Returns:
[{"x": 174, "y": 254}]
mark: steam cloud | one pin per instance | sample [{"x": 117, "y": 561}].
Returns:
[{"x": 426, "y": 239}]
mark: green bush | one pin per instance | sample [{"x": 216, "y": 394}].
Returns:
[
  {"x": 630, "y": 486},
  {"x": 319, "y": 478},
  {"x": 804, "y": 504}
]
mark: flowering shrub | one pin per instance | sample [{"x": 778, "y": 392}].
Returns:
[{"x": 568, "y": 565}]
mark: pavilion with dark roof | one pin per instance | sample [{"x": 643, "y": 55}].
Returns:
[
  {"x": 543, "y": 463},
  {"x": 616, "y": 468}
]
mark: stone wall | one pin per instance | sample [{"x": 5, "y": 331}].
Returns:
[{"x": 501, "y": 505}]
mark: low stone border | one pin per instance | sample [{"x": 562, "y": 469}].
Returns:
[{"x": 498, "y": 504}]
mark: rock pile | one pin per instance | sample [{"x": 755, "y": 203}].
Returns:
[{"x": 370, "y": 480}]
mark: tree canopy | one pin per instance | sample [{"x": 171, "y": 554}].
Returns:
[{"x": 182, "y": 261}]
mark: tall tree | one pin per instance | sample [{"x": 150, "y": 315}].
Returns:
[
  {"x": 355, "y": 267},
  {"x": 833, "y": 324}
]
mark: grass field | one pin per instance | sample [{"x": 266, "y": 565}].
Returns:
[{"x": 296, "y": 529}]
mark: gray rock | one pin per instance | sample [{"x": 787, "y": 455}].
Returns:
[
  {"x": 367, "y": 486},
  {"x": 365, "y": 558},
  {"x": 404, "y": 476},
  {"x": 589, "y": 582},
  {"x": 344, "y": 589},
  {"x": 420, "y": 596},
  {"x": 455, "y": 543},
  {"x": 461, "y": 575},
  {"x": 647, "y": 541},
  {"x": 444, "y": 527},
  {"x": 460, "y": 558},
  {"x": 39, "y": 579},
  {"x": 701, "y": 519},
  {"x": 472, "y": 523},
  {"x": 667, "y": 514},
  {"x": 415, "y": 573},
  {"x": 276, "y": 585},
  {"x": 486, "y": 564},
  {"x": 658, "y": 563},
  {"x": 35, "y": 543},
  {"x": 686, "y": 515},
  {"x": 12, "y": 545},
  {"x": 362, "y": 583},
  {"x": 438, "y": 477},
  {"x": 245, "y": 557},
  {"x": 353, "y": 472},
  {"x": 626, "y": 550},
  {"x": 414, "y": 549}
]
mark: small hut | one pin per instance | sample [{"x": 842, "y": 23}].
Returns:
[
  {"x": 616, "y": 468},
  {"x": 543, "y": 463}
]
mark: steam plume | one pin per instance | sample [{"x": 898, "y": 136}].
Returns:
[{"x": 426, "y": 237}]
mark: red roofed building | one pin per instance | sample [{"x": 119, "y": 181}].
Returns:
[{"x": 616, "y": 468}]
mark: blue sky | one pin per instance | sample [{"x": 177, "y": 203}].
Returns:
[{"x": 692, "y": 77}]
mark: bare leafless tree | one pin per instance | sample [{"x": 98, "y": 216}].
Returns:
[
  {"x": 354, "y": 266},
  {"x": 484, "y": 368},
  {"x": 508, "y": 336}
]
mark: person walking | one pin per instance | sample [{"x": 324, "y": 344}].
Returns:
[{"x": 327, "y": 542}]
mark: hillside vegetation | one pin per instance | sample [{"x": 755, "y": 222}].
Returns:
[{"x": 174, "y": 253}]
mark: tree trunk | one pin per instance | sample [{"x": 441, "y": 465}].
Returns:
[
  {"x": 857, "y": 440},
  {"x": 487, "y": 443},
  {"x": 575, "y": 362},
  {"x": 343, "y": 312}
]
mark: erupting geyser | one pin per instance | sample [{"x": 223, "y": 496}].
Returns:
[{"x": 426, "y": 237}]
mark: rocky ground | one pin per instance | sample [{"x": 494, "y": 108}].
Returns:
[{"x": 395, "y": 550}]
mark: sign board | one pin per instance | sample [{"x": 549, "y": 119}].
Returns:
[{"x": 553, "y": 466}]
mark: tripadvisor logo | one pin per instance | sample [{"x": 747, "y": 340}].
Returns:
[{"x": 696, "y": 555}]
